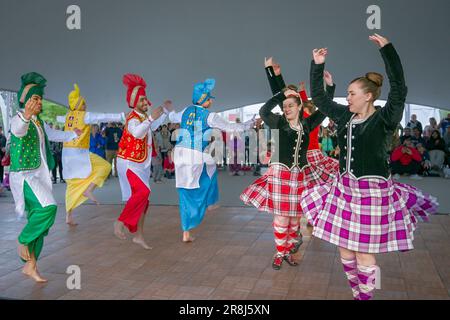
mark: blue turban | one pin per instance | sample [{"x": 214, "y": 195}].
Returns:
[{"x": 202, "y": 91}]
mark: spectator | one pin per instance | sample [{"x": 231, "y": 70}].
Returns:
[
  {"x": 169, "y": 166},
  {"x": 414, "y": 123},
  {"x": 236, "y": 142},
  {"x": 165, "y": 142},
  {"x": 260, "y": 147},
  {"x": 97, "y": 141},
  {"x": 156, "y": 161},
  {"x": 326, "y": 142},
  {"x": 406, "y": 159},
  {"x": 406, "y": 135},
  {"x": 332, "y": 132},
  {"x": 56, "y": 148},
  {"x": 447, "y": 138},
  {"x": 417, "y": 137},
  {"x": 430, "y": 128},
  {"x": 436, "y": 149},
  {"x": 444, "y": 124},
  {"x": 447, "y": 146},
  {"x": 2, "y": 153},
  {"x": 113, "y": 134},
  {"x": 426, "y": 163}
]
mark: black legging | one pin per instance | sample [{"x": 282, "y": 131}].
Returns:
[{"x": 58, "y": 164}]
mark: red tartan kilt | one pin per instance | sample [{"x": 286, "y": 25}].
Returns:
[
  {"x": 326, "y": 167},
  {"x": 279, "y": 190}
]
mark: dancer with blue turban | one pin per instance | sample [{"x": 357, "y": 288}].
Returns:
[{"x": 195, "y": 169}]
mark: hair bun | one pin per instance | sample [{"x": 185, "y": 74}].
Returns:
[{"x": 375, "y": 78}]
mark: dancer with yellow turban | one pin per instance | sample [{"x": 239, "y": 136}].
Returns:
[
  {"x": 83, "y": 171},
  {"x": 31, "y": 162}
]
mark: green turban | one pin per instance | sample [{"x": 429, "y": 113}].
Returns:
[{"x": 32, "y": 83}]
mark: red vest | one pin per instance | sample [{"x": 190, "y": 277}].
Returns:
[
  {"x": 313, "y": 136},
  {"x": 131, "y": 148}
]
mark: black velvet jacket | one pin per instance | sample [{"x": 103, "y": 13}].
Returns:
[
  {"x": 292, "y": 143},
  {"x": 364, "y": 147}
]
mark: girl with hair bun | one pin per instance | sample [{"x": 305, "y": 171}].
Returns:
[{"x": 364, "y": 211}]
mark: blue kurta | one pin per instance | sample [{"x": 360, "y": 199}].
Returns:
[{"x": 194, "y": 202}]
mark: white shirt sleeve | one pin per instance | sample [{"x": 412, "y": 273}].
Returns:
[
  {"x": 175, "y": 117},
  {"x": 59, "y": 135},
  {"x": 19, "y": 125},
  {"x": 95, "y": 117},
  {"x": 61, "y": 119},
  {"x": 139, "y": 129},
  {"x": 156, "y": 123},
  {"x": 216, "y": 121}
]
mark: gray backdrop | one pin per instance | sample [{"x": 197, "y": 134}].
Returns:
[{"x": 176, "y": 43}]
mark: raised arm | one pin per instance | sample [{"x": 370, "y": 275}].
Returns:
[
  {"x": 216, "y": 121},
  {"x": 266, "y": 114},
  {"x": 95, "y": 117},
  {"x": 393, "y": 110},
  {"x": 315, "y": 120},
  {"x": 273, "y": 73},
  {"x": 59, "y": 135},
  {"x": 321, "y": 99}
]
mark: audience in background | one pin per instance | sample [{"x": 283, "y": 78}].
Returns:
[
  {"x": 97, "y": 141},
  {"x": 113, "y": 133},
  {"x": 417, "y": 137},
  {"x": 326, "y": 142},
  {"x": 425, "y": 165},
  {"x": 406, "y": 159},
  {"x": 157, "y": 169},
  {"x": 2, "y": 153},
  {"x": 436, "y": 149},
  {"x": 430, "y": 128},
  {"x": 444, "y": 124},
  {"x": 414, "y": 123},
  {"x": 406, "y": 135},
  {"x": 56, "y": 149}
]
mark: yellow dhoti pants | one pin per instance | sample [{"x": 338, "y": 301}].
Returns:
[{"x": 76, "y": 187}]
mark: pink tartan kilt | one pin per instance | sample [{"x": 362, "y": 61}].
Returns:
[
  {"x": 326, "y": 167},
  {"x": 279, "y": 190},
  {"x": 370, "y": 215}
]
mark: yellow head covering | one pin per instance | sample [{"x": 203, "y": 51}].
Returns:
[{"x": 75, "y": 100}]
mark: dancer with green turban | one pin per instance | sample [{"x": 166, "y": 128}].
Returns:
[{"x": 31, "y": 162}]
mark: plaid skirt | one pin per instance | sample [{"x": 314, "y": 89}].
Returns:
[
  {"x": 367, "y": 215},
  {"x": 326, "y": 167},
  {"x": 279, "y": 190}
]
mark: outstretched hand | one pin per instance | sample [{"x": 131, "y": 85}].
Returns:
[
  {"x": 157, "y": 112},
  {"x": 167, "y": 104},
  {"x": 379, "y": 40},
  {"x": 319, "y": 55}
]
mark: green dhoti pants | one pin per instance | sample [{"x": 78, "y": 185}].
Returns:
[{"x": 40, "y": 219}]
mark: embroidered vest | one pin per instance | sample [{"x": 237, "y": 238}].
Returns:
[
  {"x": 131, "y": 148},
  {"x": 75, "y": 120},
  {"x": 26, "y": 151},
  {"x": 195, "y": 133}
]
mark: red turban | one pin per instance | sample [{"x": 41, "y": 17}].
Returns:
[{"x": 136, "y": 88}]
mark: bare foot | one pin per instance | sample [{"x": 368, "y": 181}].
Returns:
[
  {"x": 23, "y": 252},
  {"x": 187, "y": 237},
  {"x": 88, "y": 194},
  {"x": 213, "y": 207},
  {"x": 141, "y": 242},
  {"x": 69, "y": 220},
  {"x": 118, "y": 230},
  {"x": 31, "y": 270}
]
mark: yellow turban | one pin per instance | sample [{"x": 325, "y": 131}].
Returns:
[{"x": 75, "y": 100}]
